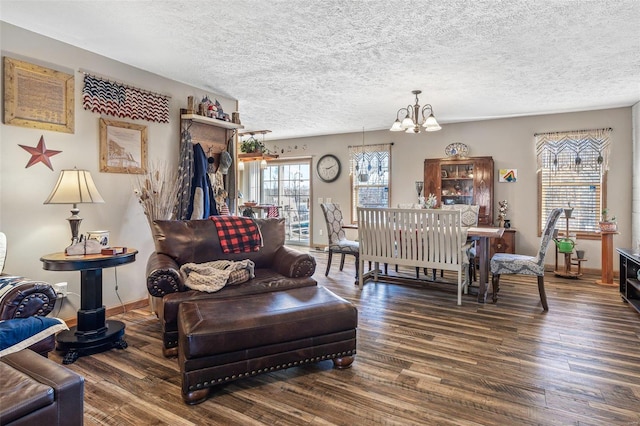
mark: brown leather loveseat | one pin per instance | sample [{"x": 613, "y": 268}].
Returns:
[{"x": 177, "y": 242}]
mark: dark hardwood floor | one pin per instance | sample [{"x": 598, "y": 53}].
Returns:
[{"x": 422, "y": 360}]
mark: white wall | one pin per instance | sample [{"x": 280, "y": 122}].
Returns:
[
  {"x": 511, "y": 144},
  {"x": 34, "y": 229}
]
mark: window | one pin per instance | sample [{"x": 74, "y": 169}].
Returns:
[
  {"x": 572, "y": 173},
  {"x": 370, "y": 170}
]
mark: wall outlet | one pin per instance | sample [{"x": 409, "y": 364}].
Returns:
[
  {"x": 61, "y": 289},
  {"x": 320, "y": 232},
  {"x": 328, "y": 200},
  {"x": 320, "y": 200}
]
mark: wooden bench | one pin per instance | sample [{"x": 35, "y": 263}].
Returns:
[{"x": 421, "y": 238}]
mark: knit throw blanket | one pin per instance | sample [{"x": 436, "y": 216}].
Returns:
[
  {"x": 237, "y": 234},
  {"x": 213, "y": 276}
]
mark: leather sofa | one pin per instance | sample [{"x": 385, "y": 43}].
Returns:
[
  {"x": 177, "y": 242},
  {"x": 29, "y": 298},
  {"x": 37, "y": 391}
]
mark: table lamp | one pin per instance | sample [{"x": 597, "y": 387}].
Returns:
[{"x": 73, "y": 187}]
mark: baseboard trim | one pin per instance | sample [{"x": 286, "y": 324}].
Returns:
[{"x": 115, "y": 310}]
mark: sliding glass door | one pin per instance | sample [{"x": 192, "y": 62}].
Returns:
[{"x": 287, "y": 184}]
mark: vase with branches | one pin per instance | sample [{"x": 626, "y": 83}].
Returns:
[{"x": 157, "y": 192}]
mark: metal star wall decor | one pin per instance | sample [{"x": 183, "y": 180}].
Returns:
[{"x": 39, "y": 154}]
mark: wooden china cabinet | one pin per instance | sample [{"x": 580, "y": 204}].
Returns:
[{"x": 466, "y": 180}]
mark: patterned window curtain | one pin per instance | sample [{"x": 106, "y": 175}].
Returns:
[
  {"x": 578, "y": 150},
  {"x": 370, "y": 170}
]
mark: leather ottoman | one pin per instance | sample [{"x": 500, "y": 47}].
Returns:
[{"x": 228, "y": 339}]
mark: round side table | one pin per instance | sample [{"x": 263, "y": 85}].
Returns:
[{"x": 93, "y": 333}]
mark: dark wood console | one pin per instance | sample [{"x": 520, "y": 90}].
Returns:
[{"x": 630, "y": 277}]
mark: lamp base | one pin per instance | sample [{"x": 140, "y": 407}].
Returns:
[{"x": 74, "y": 222}]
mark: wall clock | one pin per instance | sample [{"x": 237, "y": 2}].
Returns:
[{"x": 328, "y": 168}]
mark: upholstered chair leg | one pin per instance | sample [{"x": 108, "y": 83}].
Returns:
[
  {"x": 417, "y": 273},
  {"x": 341, "y": 261},
  {"x": 357, "y": 264},
  {"x": 326, "y": 274},
  {"x": 495, "y": 284},
  {"x": 543, "y": 295}
]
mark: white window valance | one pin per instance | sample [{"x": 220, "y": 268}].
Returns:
[{"x": 576, "y": 149}]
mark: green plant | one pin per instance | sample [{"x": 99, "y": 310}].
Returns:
[
  {"x": 251, "y": 145},
  {"x": 605, "y": 216}
]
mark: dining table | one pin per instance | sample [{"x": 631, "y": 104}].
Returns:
[{"x": 482, "y": 235}]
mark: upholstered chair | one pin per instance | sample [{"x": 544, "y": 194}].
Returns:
[
  {"x": 338, "y": 242},
  {"x": 22, "y": 297},
  {"x": 506, "y": 263}
]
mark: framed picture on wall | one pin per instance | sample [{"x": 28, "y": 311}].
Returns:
[
  {"x": 123, "y": 147},
  {"x": 37, "y": 97}
]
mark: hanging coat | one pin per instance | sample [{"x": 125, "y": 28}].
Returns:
[{"x": 202, "y": 204}]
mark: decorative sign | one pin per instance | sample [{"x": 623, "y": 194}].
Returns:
[
  {"x": 37, "y": 97},
  {"x": 119, "y": 100},
  {"x": 40, "y": 154},
  {"x": 508, "y": 175},
  {"x": 123, "y": 147}
]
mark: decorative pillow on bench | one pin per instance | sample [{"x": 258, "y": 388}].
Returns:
[{"x": 19, "y": 333}]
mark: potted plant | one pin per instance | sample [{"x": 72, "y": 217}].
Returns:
[
  {"x": 606, "y": 224},
  {"x": 251, "y": 145}
]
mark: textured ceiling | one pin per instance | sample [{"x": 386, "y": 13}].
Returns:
[{"x": 302, "y": 68}]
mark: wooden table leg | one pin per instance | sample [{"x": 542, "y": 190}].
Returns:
[{"x": 483, "y": 248}]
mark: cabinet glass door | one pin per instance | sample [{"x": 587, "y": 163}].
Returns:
[{"x": 457, "y": 183}]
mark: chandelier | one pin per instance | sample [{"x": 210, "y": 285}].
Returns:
[{"x": 412, "y": 121}]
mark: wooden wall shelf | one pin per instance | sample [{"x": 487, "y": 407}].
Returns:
[
  {"x": 211, "y": 121},
  {"x": 255, "y": 156}
]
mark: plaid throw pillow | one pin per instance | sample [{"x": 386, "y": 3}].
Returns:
[{"x": 237, "y": 234}]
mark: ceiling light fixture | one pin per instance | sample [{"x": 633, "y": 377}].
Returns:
[{"x": 412, "y": 120}]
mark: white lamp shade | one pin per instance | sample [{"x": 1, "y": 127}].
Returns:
[
  {"x": 263, "y": 164},
  {"x": 407, "y": 123},
  {"x": 397, "y": 126},
  {"x": 74, "y": 186},
  {"x": 241, "y": 165},
  {"x": 431, "y": 124}
]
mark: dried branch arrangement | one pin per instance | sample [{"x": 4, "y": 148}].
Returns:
[{"x": 157, "y": 191}]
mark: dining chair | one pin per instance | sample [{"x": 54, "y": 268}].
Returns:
[
  {"x": 507, "y": 263},
  {"x": 338, "y": 242},
  {"x": 469, "y": 217}
]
